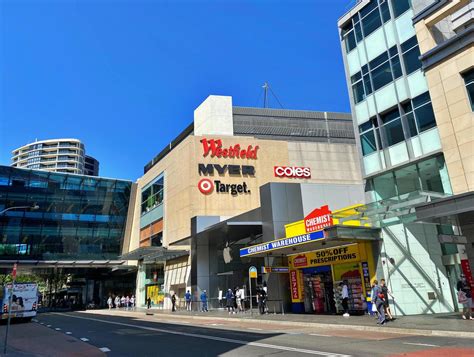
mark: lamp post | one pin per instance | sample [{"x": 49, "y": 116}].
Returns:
[{"x": 34, "y": 207}]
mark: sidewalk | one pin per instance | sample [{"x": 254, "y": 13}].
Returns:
[
  {"x": 33, "y": 340},
  {"x": 425, "y": 325}
]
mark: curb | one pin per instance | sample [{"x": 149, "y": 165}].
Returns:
[{"x": 397, "y": 330}]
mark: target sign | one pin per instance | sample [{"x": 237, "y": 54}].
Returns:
[{"x": 205, "y": 186}]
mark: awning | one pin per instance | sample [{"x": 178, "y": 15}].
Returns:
[
  {"x": 330, "y": 237},
  {"x": 64, "y": 263},
  {"x": 445, "y": 210},
  {"x": 154, "y": 254}
]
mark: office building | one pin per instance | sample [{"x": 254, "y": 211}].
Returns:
[
  {"x": 57, "y": 155},
  {"x": 411, "y": 161}
]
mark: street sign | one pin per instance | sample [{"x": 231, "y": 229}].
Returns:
[
  {"x": 281, "y": 270},
  {"x": 253, "y": 272}
]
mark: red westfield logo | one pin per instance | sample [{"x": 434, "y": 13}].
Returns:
[{"x": 215, "y": 149}]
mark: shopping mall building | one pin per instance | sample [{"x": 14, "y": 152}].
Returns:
[{"x": 233, "y": 178}]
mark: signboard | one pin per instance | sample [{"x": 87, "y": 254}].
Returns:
[
  {"x": 281, "y": 243},
  {"x": 295, "y": 281},
  {"x": 207, "y": 186},
  {"x": 366, "y": 275},
  {"x": 214, "y": 148},
  {"x": 344, "y": 254},
  {"x": 292, "y": 172},
  {"x": 253, "y": 272},
  {"x": 281, "y": 270},
  {"x": 318, "y": 219},
  {"x": 466, "y": 269}
]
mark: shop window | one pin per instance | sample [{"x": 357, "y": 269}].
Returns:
[
  {"x": 469, "y": 80},
  {"x": 152, "y": 196},
  {"x": 411, "y": 54},
  {"x": 400, "y": 6}
]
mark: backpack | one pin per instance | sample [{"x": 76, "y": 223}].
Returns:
[{"x": 462, "y": 297}]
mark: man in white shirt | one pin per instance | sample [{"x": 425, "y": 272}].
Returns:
[{"x": 345, "y": 298}]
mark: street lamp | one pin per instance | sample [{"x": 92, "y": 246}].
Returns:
[{"x": 33, "y": 208}]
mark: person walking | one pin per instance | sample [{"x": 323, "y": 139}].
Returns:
[
  {"x": 173, "y": 302},
  {"x": 187, "y": 297},
  {"x": 345, "y": 298},
  {"x": 262, "y": 300},
  {"x": 132, "y": 302},
  {"x": 122, "y": 301},
  {"x": 204, "y": 301},
  {"x": 238, "y": 299},
  {"x": 465, "y": 298},
  {"x": 386, "y": 293},
  {"x": 117, "y": 302},
  {"x": 148, "y": 303},
  {"x": 230, "y": 301},
  {"x": 379, "y": 302},
  {"x": 110, "y": 302},
  {"x": 373, "y": 311},
  {"x": 127, "y": 302}
]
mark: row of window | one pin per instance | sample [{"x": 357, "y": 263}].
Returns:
[
  {"x": 385, "y": 68},
  {"x": 369, "y": 19},
  {"x": 152, "y": 196},
  {"x": 415, "y": 116}
]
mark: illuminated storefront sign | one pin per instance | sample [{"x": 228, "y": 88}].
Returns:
[
  {"x": 318, "y": 219},
  {"x": 214, "y": 148},
  {"x": 292, "y": 172},
  {"x": 281, "y": 243},
  {"x": 337, "y": 255}
]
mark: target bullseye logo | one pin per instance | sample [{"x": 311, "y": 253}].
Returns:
[{"x": 205, "y": 186}]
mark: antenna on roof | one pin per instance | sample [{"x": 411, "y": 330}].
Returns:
[{"x": 266, "y": 87}]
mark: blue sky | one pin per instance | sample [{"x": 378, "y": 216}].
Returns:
[{"x": 125, "y": 76}]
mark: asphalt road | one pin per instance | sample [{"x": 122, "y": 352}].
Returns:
[{"x": 149, "y": 336}]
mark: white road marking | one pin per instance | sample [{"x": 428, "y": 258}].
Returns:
[
  {"x": 68, "y": 333},
  {"x": 216, "y": 324},
  {"x": 48, "y": 325},
  {"x": 57, "y": 329},
  {"x": 104, "y": 349},
  {"x": 420, "y": 344},
  {"x": 41, "y": 323},
  {"x": 319, "y": 335},
  {"x": 255, "y": 329},
  {"x": 34, "y": 320},
  {"x": 84, "y": 339},
  {"x": 213, "y": 338}
]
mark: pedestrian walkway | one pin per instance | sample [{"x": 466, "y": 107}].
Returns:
[{"x": 427, "y": 325}]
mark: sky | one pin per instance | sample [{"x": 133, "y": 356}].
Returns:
[{"x": 124, "y": 77}]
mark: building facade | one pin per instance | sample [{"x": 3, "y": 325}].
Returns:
[
  {"x": 56, "y": 223},
  {"x": 214, "y": 171},
  {"x": 57, "y": 155},
  {"x": 406, "y": 160}
]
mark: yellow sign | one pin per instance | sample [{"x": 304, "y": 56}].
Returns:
[
  {"x": 336, "y": 255},
  {"x": 253, "y": 272},
  {"x": 153, "y": 292}
]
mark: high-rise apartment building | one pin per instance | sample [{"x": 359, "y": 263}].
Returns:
[
  {"x": 412, "y": 161},
  {"x": 57, "y": 155}
]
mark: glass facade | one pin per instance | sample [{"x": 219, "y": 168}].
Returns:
[
  {"x": 78, "y": 217},
  {"x": 152, "y": 195}
]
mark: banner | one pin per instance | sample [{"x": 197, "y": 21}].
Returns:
[{"x": 337, "y": 255}]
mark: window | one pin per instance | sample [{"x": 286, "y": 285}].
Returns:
[
  {"x": 469, "y": 80},
  {"x": 152, "y": 196},
  {"x": 419, "y": 114},
  {"x": 393, "y": 127},
  {"x": 385, "y": 10},
  {"x": 411, "y": 54},
  {"x": 372, "y": 21},
  {"x": 400, "y": 6},
  {"x": 369, "y": 136},
  {"x": 348, "y": 36}
]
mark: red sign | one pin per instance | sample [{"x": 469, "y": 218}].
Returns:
[
  {"x": 295, "y": 294},
  {"x": 205, "y": 186},
  {"x": 466, "y": 269},
  {"x": 300, "y": 261},
  {"x": 14, "y": 271},
  {"x": 215, "y": 149},
  {"x": 319, "y": 219},
  {"x": 292, "y": 172}
]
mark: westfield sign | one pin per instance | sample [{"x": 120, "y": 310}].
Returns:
[{"x": 214, "y": 148}]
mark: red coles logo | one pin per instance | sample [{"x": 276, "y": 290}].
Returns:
[
  {"x": 205, "y": 186},
  {"x": 292, "y": 172},
  {"x": 318, "y": 219},
  {"x": 215, "y": 149}
]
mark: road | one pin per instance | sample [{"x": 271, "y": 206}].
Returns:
[{"x": 153, "y": 336}]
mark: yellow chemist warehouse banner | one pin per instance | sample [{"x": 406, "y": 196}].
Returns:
[{"x": 336, "y": 255}]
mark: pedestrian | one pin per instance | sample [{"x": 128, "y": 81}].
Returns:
[
  {"x": 230, "y": 301},
  {"x": 148, "y": 303},
  {"x": 110, "y": 302},
  {"x": 262, "y": 300},
  {"x": 122, "y": 301},
  {"x": 465, "y": 298},
  {"x": 204, "y": 301},
  {"x": 238, "y": 299},
  {"x": 117, "y": 302},
  {"x": 132, "y": 301},
  {"x": 345, "y": 298},
  {"x": 372, "y": 302},
  {"x": 188, "y": 297},
  {"x": 379, "y": 303},
  {"x": 127, "y": 302},
  {"x": 173, "y": 302},
  {"x": 386, "y": 293}
]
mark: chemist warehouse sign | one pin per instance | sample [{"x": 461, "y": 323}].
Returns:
[
  {"x": 281, "y": 243},
  {"x": 336, "y": 255}
]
